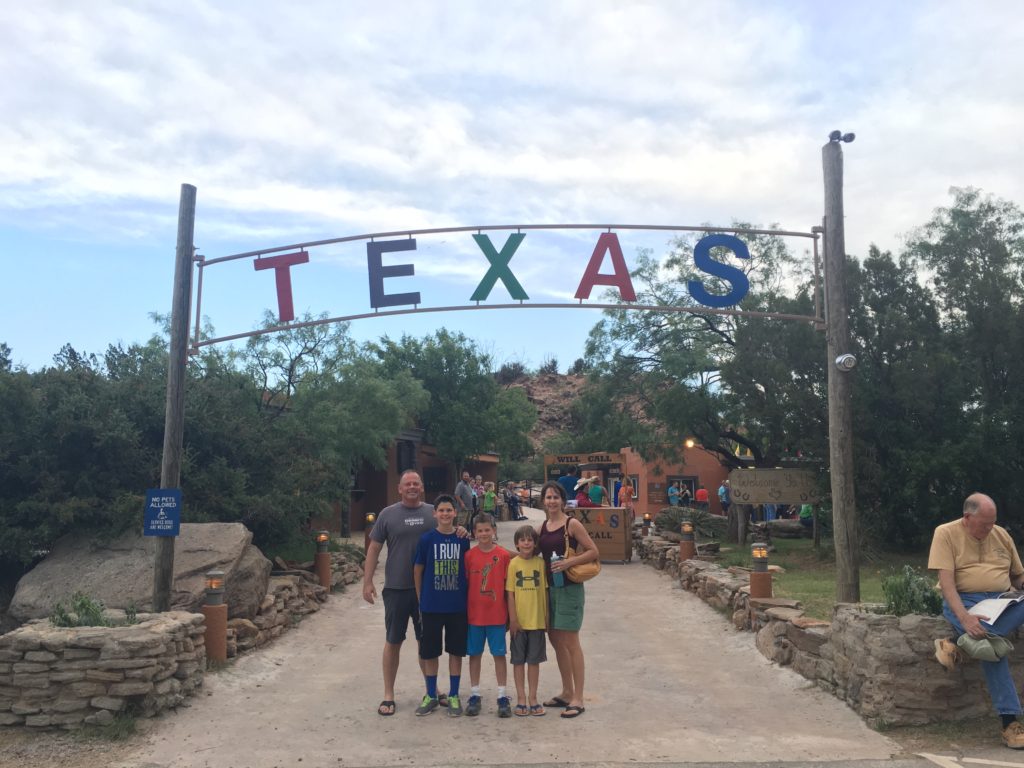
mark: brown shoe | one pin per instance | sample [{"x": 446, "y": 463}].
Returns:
[
  {"x": 948, "y": 654},
  {"x": 1013, "y": 735}
]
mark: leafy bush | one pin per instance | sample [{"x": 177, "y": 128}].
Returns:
[
  {"x": 705, "y": 524},
  {"x": 910, "y": 591},
  {"x": 550, "y": 365},
  {"x": 510, "y": 372},
  {"x": 578, "y": 367},
  {"x": 84, "y": 612}
]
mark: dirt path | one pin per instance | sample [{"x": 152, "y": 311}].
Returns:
[{"x": 668, "y": 681}]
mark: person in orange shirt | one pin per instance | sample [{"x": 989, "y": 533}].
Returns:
[
  {"x": 626, "y": 498},
  {"x": 701, "y": 497}
]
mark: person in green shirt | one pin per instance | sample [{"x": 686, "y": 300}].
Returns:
[
  {"x": 490, "y": 498},
  {"x": 807, "y": 515}
]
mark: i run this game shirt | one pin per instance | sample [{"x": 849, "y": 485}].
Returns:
[{"x": 443, "y": 557}]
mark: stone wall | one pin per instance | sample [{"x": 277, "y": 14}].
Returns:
[
  {"x": 291, "y": 595},
  {"x": 289, "y": 598},
  {"x": 69, "y": 676},
  {"x": 883, "y": 666},
  {"x": 54, "y": 677}
]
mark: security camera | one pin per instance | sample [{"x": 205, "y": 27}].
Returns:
[{"x": 846, "y": 362}]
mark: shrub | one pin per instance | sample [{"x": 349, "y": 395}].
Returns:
[
  {"x": 550, "y": 365},
  {"x": 910, "y": 591},
  {"x": 84, "y": 612},
  {"x": 578, "y": 367},
  {"x": 510, "y": 372},
  {"x": 705, "y": 524}
]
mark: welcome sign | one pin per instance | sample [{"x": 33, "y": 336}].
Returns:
[{"x": 717, "y": 254}]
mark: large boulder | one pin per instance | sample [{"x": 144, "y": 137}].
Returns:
[{"x": 120, "y": 573}]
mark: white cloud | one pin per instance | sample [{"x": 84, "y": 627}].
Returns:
[{"x": 333, "y": 119}]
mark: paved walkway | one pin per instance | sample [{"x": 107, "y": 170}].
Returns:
[{"x": 668, "y": 681}]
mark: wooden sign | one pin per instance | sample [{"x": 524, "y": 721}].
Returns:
[
  {"x": 657, "y": 493},
  {"x": 773, "y": 486},
  {"x": 610, "y": 528},
  {"x": 576, "y": 459}
]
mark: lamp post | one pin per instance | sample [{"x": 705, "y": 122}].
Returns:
[
  {"x": 687, "y": 545},
  {"x": 215, "y": 613},
  {"x": 647, "y": 523},
  {"x": 322, "y": 559},
  {"x": 760, "y": 577},
  {"x": 370, "y": 519}
]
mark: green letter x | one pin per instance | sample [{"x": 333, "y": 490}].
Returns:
[{"x": 499, "y": 268}]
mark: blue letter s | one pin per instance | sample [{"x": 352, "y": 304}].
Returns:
[{"x": 703, "y": 261}]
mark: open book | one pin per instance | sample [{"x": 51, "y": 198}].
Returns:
[{"x": 993, "y": 607}]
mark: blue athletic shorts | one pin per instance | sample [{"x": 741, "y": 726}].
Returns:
[{"x": 494, "y": 634}]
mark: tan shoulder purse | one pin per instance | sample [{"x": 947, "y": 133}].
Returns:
[{"x": 579, "y": 573}]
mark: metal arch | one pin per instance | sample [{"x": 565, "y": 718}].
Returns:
[
  {"x": 461, "y": 308},
  {"x": 501, "y": 227}
]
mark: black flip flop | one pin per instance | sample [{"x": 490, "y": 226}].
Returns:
[
  {"x": 573, "y": 711},
  {"x": 382, "y": 705},
  {"x": 556, "y": 702}
]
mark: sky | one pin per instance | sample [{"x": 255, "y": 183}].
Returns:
[{"x": 319, "y": 120}]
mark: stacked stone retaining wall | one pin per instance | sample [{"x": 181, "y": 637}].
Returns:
[
  {"x": 291, "y": 596},
  {"x": 883, "y": 666},
  {"x": 67, "y": 677},
  {"x": 54, "y": 677}
]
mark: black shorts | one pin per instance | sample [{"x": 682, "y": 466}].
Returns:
[
  {"x": 453, "y": 626},
  {"x": 400, "y": 605}
]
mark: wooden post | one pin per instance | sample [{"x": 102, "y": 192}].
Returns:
[
  {"x": 322, "y": 568},
  {"x": 840, "y": 383},
  {"x": 216, "y": 635},
  {"x": 760, "y": 584},
  {"x": 174, "y": 412}
]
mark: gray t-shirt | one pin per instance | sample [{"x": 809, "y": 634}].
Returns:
[
  {"x": 464, "y": 493},
  {"x": 400, "y": 528}
]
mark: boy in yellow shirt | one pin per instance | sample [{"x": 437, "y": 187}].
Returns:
[{"x": 527, "y": 589}]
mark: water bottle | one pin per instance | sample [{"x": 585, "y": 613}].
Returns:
[{"x": 557, "y": 577}]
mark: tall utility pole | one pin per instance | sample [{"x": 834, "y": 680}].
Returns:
[
  {"x": 840, "y": 384},
  {"x": 174, "y": 413}
]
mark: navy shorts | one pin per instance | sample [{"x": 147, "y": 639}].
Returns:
[
  {"x": 400, "y": 605},
  {"x": 453, "y": 627}
]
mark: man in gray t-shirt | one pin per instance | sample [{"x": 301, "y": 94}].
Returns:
[
  {"x": 400, "y": 526},
  {"x": 464, "y": 496}
]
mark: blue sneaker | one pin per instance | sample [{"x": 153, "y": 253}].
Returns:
[
  {"x": 504, "y": 707},
  {"x": 473, "y": 706}
]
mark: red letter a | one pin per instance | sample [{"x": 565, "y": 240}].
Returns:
[{"x": 608, "y": 241}]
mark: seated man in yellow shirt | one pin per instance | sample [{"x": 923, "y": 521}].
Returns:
[{"x": 976, "y": 559}]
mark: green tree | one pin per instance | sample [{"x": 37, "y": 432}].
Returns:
[
  {"x": 974, "y": 249},
  {"x": 726, "y": 381},
  {"x": 272, "y": 435},
  {"x": 468, "y": 413},
  {"x": 907, "y": 406}
]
